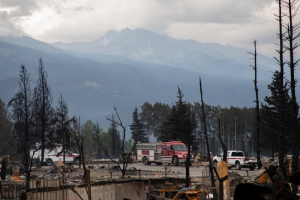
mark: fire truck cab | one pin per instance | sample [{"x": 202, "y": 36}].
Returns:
[{"x": 163, "y": 152}]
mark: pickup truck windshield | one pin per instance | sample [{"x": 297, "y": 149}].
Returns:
[{"x": 180, "y": 148}]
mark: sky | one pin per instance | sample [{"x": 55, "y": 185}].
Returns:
[{"x": 234, "y": 22}]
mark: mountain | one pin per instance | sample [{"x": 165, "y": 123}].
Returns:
[
  {"x": 93, "y": 82},
  {"x": 145, "y": 46},
  {"x": 31, "y": 43},
  {"x": 92, "y": 89}
]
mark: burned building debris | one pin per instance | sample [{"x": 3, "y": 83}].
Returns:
[{"x": 61, "y": 181}]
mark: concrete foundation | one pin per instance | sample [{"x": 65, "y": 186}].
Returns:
[{"x": 112, "y": 191}]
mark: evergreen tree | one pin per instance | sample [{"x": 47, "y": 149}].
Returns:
[
  {"x": 160, "y": 112},
  {"x": 87, "y": 131},
  {"x": 177, "y": 124},
  {"x": 147, "y": 119},
  {"x": 97, "y": 137},
  {"x": 114, "y": 135},
  {"x": 137, "y": 128},
  {"x": 271, "y": 121}
]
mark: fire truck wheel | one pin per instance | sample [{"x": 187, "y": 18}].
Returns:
[
  {"x": 49, "y": 162},
  {"x": 145, "y": 160},
  {"x": 175, "y": 161}
]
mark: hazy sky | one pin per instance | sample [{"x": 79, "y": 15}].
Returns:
[{"x": 235, "y": 22}]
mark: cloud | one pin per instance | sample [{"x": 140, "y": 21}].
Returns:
[
  {"x": 222, "y": 21},
  {"x": 83, "y": 8}
]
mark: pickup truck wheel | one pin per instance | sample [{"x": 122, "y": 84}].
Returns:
[
  {"x": 238, "y": 165},
  {"x": 76, "y": 161},
  {"x": 48, "y": 162},
  {"x": 145, "y": 161},
  {"x": 252, "y": 168},
  {"x": 215, "y": 163},
  {"x": 175, "y": 161}
]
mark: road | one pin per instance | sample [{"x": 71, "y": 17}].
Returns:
[{"x": 194, "y": 171}]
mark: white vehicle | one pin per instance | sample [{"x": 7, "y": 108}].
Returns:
[
  {"x": 236, "y": 158},
  {"x": 56, "y": 155}
]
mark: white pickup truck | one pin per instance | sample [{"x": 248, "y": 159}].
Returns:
[
  {"x": 55, "y": 155},
  {"x": 236, "y": 158}
]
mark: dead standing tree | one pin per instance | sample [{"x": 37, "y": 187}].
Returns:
[
  {"x": 257, "y": 106},
  {"x": 79, "y": 137},
  {"x": 187, "y": 162},
  {"x": 45, "y": 116},
  {"x": 291, "y": 37},
  {"x": 22, "y": 114},
  {"x": 126, "y": 159},
  {"x": 207, "y": 144},
  {"x": 281, "y": 104},
  {"x": 221, "y": 141}
]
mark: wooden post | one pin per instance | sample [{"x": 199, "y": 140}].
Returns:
[
  {"x": 89, "y": 184},
  {"x": 222, "y": 173},
  {"x": 139, "y": 173},
  {"x": 165, "y": 174},
  {"x": 149, "y": 188},
  {"x": 63, "y": 184},
  {"x": 190, "y": 182}
]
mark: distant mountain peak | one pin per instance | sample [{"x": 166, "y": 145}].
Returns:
[{"x": 145, "y": 46}]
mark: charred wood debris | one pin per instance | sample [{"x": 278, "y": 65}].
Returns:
[{"x": 267, "y": 183}]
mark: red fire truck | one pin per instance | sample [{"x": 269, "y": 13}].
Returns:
[{"x": 163, "y": 152}]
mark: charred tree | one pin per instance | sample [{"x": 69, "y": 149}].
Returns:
[
  {"x": 207, "y": 144},
  {"x": 45, "y": 112},
  {"x": 79, "y": 137},
  {"x": 125, "y": 161},
  {"x": 291, "y": 37},
  {"x": 221, "y": 141},
  {"x": 22, "y": 115},
  {"x": 187, "y": 162},
  {"x": 281, "y": 63},
  {"x": 257, "y": 107},
  {"x": 63, "y": 133}
]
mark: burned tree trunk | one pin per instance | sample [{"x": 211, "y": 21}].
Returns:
[
  {"x": 207, "y": 145},
  {"x": 257, "y": 107},
  {"x": 291, "y": 29},
  {"x": 187, "y": 162},
  {"x": 222, "y": 143},
  {"x": 281, "y": 104}
]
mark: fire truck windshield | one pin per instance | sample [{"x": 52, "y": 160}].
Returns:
[{"x": 180, "y": 148}]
